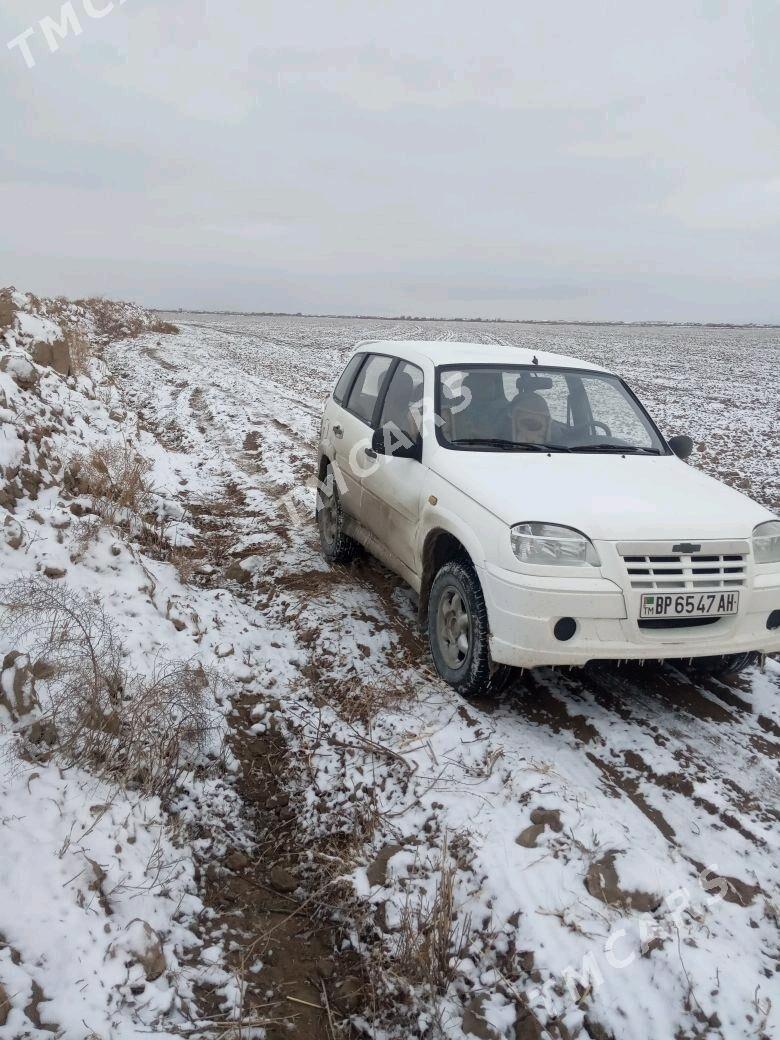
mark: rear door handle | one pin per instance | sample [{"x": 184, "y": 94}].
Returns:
[
  {"x": 338, "y": 431},
  {"x": 371, "y": 453}
]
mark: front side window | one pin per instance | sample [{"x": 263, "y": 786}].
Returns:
[
  {"x": 403, "y": 402},
  {"x": 368, "y": 385},
  {"x": 517, "y": 408}
]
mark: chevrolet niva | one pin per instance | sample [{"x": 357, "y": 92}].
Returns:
[{"x": 539, "y": 514}]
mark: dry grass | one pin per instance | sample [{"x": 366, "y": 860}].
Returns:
[
  {"x": 139, "y": 730},
  {"x": 114, "y": 320},
  {"x": 430, "y": 938},
  {"x": 80, "y": 350},
  {"x": 165, "y": 328},
  {"x": 359, "y": 701},
  {"x": 115, "y": 477},
  {"x": 7, "y": 308}
]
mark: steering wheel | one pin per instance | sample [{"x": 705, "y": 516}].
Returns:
[{"x": 589, "y": 428}]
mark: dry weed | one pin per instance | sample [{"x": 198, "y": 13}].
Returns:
[
  {"x": 140, "y": 730},
  {"x": 165, "y": 328},
  {"x": 113, "y": 320},
  {"x": 7, "y": 308},
  {"x": 115, "y": 477},
  {"x": 360, "y": 701},
  {"x": 80, "y": 350},
  {"x": 430, "y": 937}
]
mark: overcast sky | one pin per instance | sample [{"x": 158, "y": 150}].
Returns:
[{"x": 514, "y": 159}]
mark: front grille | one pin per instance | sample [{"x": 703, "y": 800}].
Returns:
[{"x": 708, "y": 569}]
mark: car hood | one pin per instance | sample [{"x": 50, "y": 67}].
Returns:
[{"x": 608, "y": 497}]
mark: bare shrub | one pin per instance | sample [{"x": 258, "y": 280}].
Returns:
[
  {"x": 134, "y": 729},
  {"x": 166, "y": 724},
  {"x": 115, "y": 477}
]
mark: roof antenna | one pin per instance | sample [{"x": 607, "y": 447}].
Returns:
[{"x": 535, "y": 360}]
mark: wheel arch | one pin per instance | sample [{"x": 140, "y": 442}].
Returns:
[
  {"x": 322, "y": 468},
  {"x": 440, "y": 546}
]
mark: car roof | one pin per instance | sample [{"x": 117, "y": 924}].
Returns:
[{"x": 446, "y": 352}]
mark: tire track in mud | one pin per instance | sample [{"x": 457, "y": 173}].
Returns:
[{"x": 283, "y": 949}]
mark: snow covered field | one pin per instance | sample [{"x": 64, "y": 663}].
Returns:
[{"x": 595, "y": 855}]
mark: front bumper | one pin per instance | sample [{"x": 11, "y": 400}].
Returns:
[{"x": 523, "y": 610}]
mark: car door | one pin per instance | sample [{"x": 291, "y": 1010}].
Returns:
[
  {"x": 335, "y": 419},
  {"x": 392, "y": 486},
  {"x": 353, "y": 427}
]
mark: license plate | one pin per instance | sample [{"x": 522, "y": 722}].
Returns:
[{"x": 688, "y": 604}]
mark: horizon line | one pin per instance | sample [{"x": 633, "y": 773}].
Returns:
[{"x": 476, "y": 321}]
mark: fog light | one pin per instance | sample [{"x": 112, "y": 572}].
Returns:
[
  {"x": 773, "y": 621},
  {"x": 565, "y": 629}
]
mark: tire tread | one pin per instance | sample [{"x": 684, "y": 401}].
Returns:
[{"x": 482, "y": 678}]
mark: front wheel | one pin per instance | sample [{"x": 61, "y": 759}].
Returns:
[
  {"x": 458, "y": 633},
  {"x": 723, "y": 665}
]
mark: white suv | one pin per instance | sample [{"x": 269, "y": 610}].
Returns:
[{"x": 540, "y": 515}]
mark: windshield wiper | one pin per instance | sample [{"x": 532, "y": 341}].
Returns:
[
  {"x": 616, "y": 449},
  {"x": 506, "y": 445}
]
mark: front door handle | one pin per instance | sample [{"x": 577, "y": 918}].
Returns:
[
  {"x": 371, "y": 453},
  {"x": 337, "y": 431}
]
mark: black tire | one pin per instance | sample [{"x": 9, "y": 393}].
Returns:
[
  {"x": 337, "y": 547},
  {"x": 724, "y": 665},
  {"x": 458, "y": 633}
]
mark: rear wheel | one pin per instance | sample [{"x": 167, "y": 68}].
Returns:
[
  {"x": 725, "y": 664},
  {"x": 337, "y": 547},
  {"x": 458, "y": 633}
]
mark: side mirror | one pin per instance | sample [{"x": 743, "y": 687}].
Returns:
[
  {"x": 681, "y": 445},
  {"x": 378, "y": 441},
  {"x": 389, "y": 440}
]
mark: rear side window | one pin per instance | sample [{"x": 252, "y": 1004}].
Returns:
[
  {"x": 349, "y": 373},
  {"x": 368, "y": 386}
]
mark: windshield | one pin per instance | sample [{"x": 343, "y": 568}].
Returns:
[{"x": 521, "y": 408}]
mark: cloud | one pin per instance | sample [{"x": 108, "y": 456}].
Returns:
[{"x": 569, "y": 160}]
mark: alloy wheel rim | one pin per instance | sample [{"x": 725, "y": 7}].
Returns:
[{"x": 453, "y": 627}]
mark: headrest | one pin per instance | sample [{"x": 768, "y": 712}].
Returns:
[
  {"x": 484, "y": 382},
  {"x": 403, "y": 386}
]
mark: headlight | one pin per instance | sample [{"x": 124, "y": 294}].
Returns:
[
  {"x": 766, "y": 542},
  {"x": 551, "y": 545}
]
